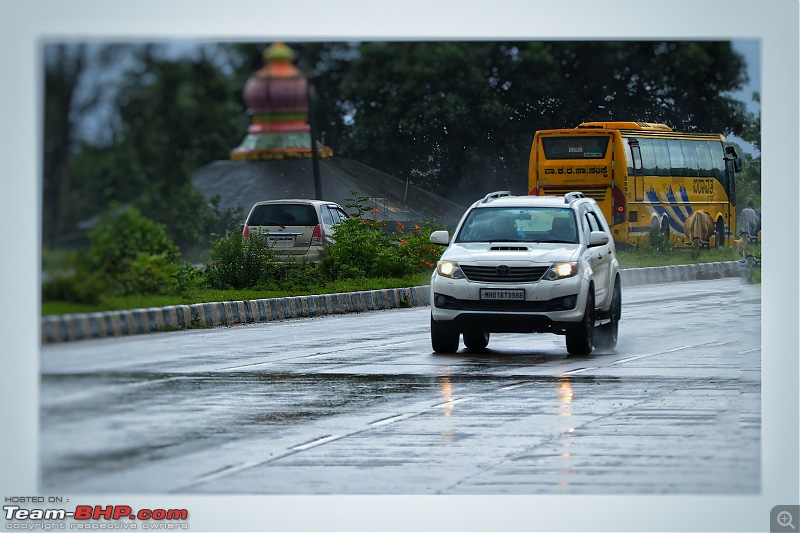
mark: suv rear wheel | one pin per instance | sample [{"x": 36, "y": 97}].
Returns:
[
  {"x": 444, "y": 339},
  {"x": 477, "y": 340},
  {"x": 580, "y": 337},
  {"x": 606, "y": 336}
]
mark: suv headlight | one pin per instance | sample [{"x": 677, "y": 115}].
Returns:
[
  {"x": 449, "y": 269},
  {"x": 561, "y": 271}
]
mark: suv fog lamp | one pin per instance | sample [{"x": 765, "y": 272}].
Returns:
[
  {"x": 561, "y": 270},
  {"x": 450, "y": 270}
]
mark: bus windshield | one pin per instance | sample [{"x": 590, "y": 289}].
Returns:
[{"x": 571, "y": 147}]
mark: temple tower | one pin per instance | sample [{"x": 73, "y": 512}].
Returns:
[{"x": 277, "y": 98}]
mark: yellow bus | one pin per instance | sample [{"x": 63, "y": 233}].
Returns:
[{"x": 643, "y": 176}]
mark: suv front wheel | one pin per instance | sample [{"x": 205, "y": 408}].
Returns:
[
  {"x": 444, "y": 339},
  {"x": 580, "y": 337}
]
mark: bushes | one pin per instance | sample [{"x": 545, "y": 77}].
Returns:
[
  {"x": 237, "y": 263},
  {"x": 658, "y": 240},
  {"x": 118, "y": 239},
  {"x": 364, "y": 247},
  {"x": 129, "y": 254}
]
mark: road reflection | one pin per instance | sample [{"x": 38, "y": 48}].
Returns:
[{"x": 566, "y": 395}]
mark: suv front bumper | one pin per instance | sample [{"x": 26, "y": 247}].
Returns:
[{"x": 549, "y": 306}]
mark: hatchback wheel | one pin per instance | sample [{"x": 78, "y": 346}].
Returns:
[
  {"x": 580, "y": 337},
  {"x": 444, "y": 339}
]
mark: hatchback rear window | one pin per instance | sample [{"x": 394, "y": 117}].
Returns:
[{"x": 283, "y": 215}]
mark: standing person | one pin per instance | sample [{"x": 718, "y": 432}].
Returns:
[{"x": 749, "y": 221}]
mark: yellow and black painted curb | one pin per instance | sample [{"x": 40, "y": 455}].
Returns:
[{"x": 78, "y": 326}]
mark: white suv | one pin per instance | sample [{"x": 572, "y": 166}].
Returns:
[{"x": 527, "y": 264}]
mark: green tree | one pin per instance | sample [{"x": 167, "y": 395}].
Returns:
[
  {"x": 173, "y": 115},
  {"x": 67, "y": 98},
  {"x": 458, "y": 117}
]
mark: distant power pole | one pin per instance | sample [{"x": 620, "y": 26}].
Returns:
[{"x": 314, "y": 153}]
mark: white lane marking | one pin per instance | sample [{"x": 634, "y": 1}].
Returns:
[
  {"x": 452, "y": 402},
  {"x": 391, "y": 420},
  {"x": 676, "y": 349},
  {"x": 578, "y": 371},
  {"x": 516, "y": 385},
  {"x": 629, "y": 359},
  {"x": 317, "y": 442},
  {"x": 225, "y": 472}
]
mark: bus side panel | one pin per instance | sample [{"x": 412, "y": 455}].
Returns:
[{"x": 668, "y": 201}]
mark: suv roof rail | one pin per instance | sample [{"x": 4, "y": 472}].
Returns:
[
  {"x": 495, "y": 195},
  {"x": 572, "y": 196}
]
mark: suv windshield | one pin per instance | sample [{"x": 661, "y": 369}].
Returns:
[{"x": 519, "y": 224}]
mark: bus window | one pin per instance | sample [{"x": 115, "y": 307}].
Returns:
[
  {"x": 633, "y": 155},
  {"x": 662, "y": 157},
  {"x": 718, "y": 158},
  {"x": 570, "y": 147},
  {"x": 648, "y": 157},
  {"x": 705, "y": 163},
  {"x": 690, "y": 157},
  {"x": 676, "y": 157}
]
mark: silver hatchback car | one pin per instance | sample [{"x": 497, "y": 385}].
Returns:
[{"x": 296, "y": 229}]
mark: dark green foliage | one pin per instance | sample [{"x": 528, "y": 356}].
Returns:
[
  {"x": 658, "y": 241},
  {"x": 456, "y": 118},
  {"x": 172, "y": 116},
  {"x": 237, "y": 263},
  {"x": 148, "y": 273},
  {"x": 79, "y": 287},
  {"x": 127, "y": 254},
  {"x": 118, "y": 239},
  {"x": 364, "y": 248},
  {"x": 134, "y": 255}
]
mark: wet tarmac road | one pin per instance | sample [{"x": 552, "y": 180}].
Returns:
[{"x": 358, "y": 404}]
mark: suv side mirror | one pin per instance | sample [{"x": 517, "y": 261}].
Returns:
[
  {"x": 598, "y": 238},
  {"x": 440, "y": 237}
]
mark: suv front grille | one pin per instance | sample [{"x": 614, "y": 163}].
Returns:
[{"x": 507, "y": 274}]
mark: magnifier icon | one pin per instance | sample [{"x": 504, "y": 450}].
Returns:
[{"x": 785, "y": 519}]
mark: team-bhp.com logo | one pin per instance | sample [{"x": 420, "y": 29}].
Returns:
[{"x": 90, "y": 517}]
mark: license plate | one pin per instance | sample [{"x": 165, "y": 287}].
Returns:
[
  {"x": 502, "y": 294},
  {"x": 281, "y": 241}
]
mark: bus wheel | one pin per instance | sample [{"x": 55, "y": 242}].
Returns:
[
  {"x": 665, "y": 226},
  {"x": 720, "y": 233}
]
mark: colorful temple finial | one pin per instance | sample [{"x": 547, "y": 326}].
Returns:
[{"x": 277, "y": 99}]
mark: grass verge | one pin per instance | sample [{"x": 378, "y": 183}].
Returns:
[
  {"x": 114, "y": 303},
  {"x": 630, "y": 258},
  {"x": 644, "y": 257}
]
